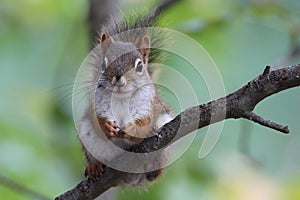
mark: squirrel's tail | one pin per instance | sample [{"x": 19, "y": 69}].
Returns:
[
  {"x": 118, "y": 24},
  {"x": 150, "y": 18}
]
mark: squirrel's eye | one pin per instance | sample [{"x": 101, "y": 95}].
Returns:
[
  {"x": 104, "y": 64},
  {"x": 138, "y": 66}
]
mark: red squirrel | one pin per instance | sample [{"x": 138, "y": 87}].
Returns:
[{"x": 126, "y": 106}]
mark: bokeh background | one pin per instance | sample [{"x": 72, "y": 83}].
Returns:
[{"x": 42, "y": 44}]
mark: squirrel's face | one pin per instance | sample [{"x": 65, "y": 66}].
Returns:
[{"x": 124, "y": 68}]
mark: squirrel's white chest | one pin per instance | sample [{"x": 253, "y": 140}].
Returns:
[{"x": 124, "y": 109}]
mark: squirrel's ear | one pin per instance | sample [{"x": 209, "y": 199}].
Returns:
[
  {"x": 105, "y": 35},
  {"x": 143, "y": 45},
  {"x": 105, "y": 39}
]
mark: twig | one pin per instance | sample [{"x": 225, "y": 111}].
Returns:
[
  {"x": 258, "y": 119},
  {"x": 238, "y": 104}
]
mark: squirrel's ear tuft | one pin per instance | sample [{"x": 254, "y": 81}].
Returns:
[
  {"x": 105, "y": 39},
  {"x": 143, "y": 45}
]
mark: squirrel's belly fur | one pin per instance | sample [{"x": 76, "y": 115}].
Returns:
[{"x": 124, "y": 108}]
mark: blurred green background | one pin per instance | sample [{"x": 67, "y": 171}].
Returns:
[{"x": 42, "y": 44}]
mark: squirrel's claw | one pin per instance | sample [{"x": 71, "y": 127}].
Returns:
[
  {"x": 111, "y": 126},
  {"x": 111, "y": 129}
]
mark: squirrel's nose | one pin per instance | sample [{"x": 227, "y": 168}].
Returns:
[
  {"x": 117, "y": 78},
  {"x": 119, "y": 81}
]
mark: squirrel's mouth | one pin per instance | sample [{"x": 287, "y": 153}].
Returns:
[{"x": 120, "y": 90}]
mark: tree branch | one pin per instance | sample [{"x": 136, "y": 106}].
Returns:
[
  {"x": 258, "y": 119},
  {"x": 238, "y": 104}
]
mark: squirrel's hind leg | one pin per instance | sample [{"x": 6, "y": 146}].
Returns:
[{"x": 94, "y": 168}]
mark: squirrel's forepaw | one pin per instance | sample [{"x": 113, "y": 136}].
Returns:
[
  {"x": 129, "y": 131},
  {"x": 94, "y": 171},
  {"x": 111, "y": 129}
]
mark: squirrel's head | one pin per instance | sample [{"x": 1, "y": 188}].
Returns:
[{"x": 124, "y": 65}]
